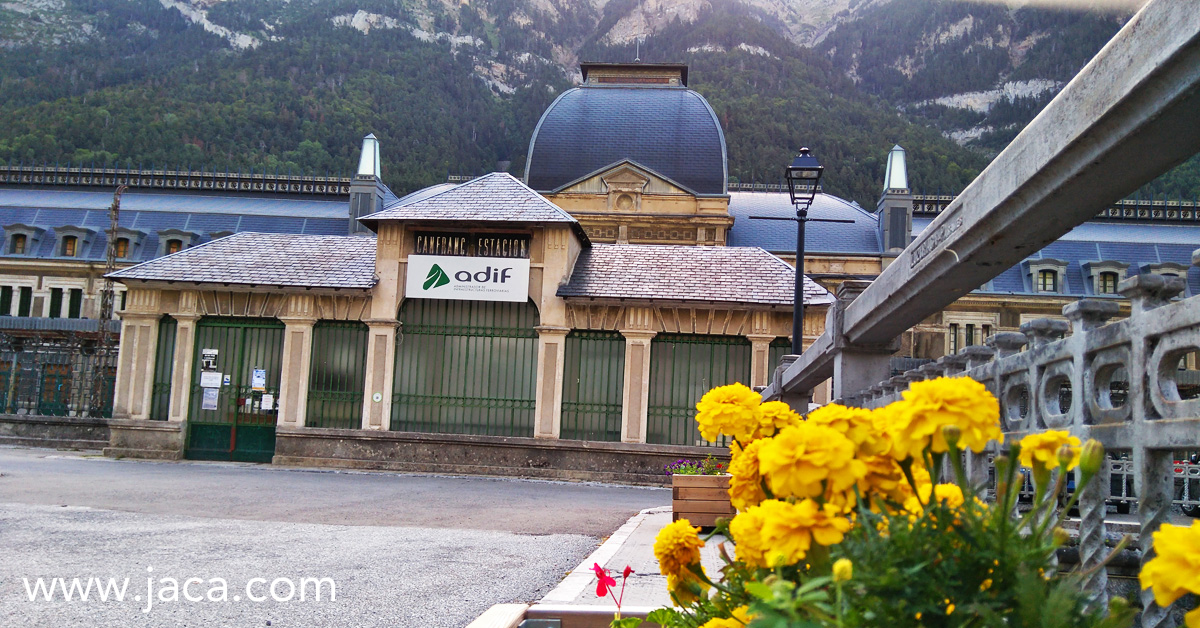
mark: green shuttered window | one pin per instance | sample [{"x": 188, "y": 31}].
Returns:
[
  {"x": 593, "y": 376},
  {"x": 465, "y": 367},
  {"x": 336, "y": 377},
  {"x": 683, "y": 368}
]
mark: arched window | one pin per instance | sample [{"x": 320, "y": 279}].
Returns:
[
  {"x": 174, "y": 246},
  {"x": 18, "y": 244},
  {"x": 122, "y": 248},
  {"x": 69, "y": 244},
  {"x": 1107, "y": 283},
  {"x": 1047, "y": 281}
]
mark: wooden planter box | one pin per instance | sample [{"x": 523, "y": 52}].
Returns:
[{"x": 701, "y": 499}]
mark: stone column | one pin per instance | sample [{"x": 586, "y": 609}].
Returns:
[
  {"x": 297, "y": 360},
  {"x": 760, "y": 359},
  {"x": 381, "y": 367},
  {"x": 185, "y": 348},
  {"x": 548, "y": 407},
  {"x": 636, "y": 393},
  {"x": 135, "y": 365}
]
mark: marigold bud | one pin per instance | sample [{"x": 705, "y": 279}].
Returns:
[
  {"x": 1066, "y": 455},
  {"x": 1091, "y": 457},
  {"x": 843, "y": 570},
  {"x": 952, "y": 434},
  {"x": 1061, "y": 536}
]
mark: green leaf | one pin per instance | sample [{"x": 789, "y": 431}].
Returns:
[
  {"x": 759, "y": 590},
  {"x": 626, "y": 622},
  {"x": 663, "y": 616}
]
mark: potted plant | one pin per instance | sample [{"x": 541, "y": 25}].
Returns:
[{"x": 700, "y": 491}]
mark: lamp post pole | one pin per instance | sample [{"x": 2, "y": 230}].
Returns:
[
  {"x": 802, "y": 176},
  {"x": 798, "y": 304}
]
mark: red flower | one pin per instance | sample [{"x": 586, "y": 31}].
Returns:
[{"x": 604, "y": 582}]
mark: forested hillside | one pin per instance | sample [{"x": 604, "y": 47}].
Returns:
[{"x": 456, "y": 88}]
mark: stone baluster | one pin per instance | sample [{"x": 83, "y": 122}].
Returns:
[
  {"x": 1153, "y": 468},
  {"x": 1043, "y": 331},
  {"x": 1086, "y": 315},
  {"x": 1006, "y": 343}
]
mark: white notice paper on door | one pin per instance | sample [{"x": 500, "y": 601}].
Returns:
[{"x": 210, "y": 379}]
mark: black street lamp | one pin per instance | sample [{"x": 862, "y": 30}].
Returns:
[{"x": 802, "y": 177}]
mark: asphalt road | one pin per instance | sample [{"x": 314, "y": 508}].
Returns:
[{"x": 400, "y": 549}]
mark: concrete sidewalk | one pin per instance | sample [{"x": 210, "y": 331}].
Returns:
[{"x": 574, "y": 600}]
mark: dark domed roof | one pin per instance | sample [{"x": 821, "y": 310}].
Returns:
[{"x": 670, "y": 130}]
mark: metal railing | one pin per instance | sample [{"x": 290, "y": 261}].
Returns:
[{"x": 1121, "y": 384}]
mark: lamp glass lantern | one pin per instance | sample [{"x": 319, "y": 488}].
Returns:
[{"x": 802, "y": 176}]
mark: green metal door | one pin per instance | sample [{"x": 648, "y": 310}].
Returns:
[
  {"x": 683, "y": 368},
  {"x": 239, "y": 424},
  {"x": 593, "y": 378},
  {"x": 164, "y": 368},
  {"x": 465, "y": 367},
  {"x": 336, "y": 380}
]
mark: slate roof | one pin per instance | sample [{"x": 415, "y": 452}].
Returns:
[
  {"x": 495, "y": 197},
  {"x": 670, "y": 130},
  {"x": 152, "y": 212},
  {"x": 267, "y": 259},
  {"x": 687, "y": 273},
  {"x": 777, "y": 236},
  {"x": 1134, "y": 244}
]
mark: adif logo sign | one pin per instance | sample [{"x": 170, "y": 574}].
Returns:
[{"x": 467, "y": 278}]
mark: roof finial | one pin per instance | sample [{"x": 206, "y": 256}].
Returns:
[
  {"x": 368, "y": 163},
  {"x": 637, "y": 55}
]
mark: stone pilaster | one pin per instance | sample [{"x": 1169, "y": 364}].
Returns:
[
  {"x": 297, "y": 360},
  {"x": 760, "y": 359},
  {"x": 185, "y": 349},
  {"x": 135, "y": 370},
  {"x": 548, "y": 407},
  {"x": 380, "y": 376},
  {"x": 636, "y": 393}
]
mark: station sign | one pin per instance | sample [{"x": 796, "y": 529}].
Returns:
[
  {"x": 510, "y": 245},
  {"x": 467, "y": 278}
]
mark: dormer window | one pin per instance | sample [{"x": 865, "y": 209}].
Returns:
[
  {"x": 1047, "y": 281},
  {"x": 1106, "y": 282},
  {"x": 175, "y": 240},
  {"x": 1046, "y": 275},
  {"x": 21, "y": 239},
  {"x": 69, "y": 246},
  {"x": 1104, "y": 277},
  {"x": 122, "y": 248}
]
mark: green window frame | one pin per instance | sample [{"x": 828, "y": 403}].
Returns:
[
  {"x": 75, "y": 304},
  {"x": 337, "y": 375},
  {"x": 56, "y": 298},
  {"x": 6, "y": 298},
  {"x": 465, "y": 367},
  {"x": 593, "y": 386},
  {"x": 25, "y": 304},
  {"x": 682, "y": 368}
]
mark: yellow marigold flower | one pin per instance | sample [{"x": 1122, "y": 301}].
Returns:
[
  {"x": 843, "y": 570},
  {"x": 857, "y": 424},
  {"x": 681, "y": 586},
  {"x": 883, "y": 477},
  {"x": 805, "y": 460},
  {"x": 732, "y": 410},
  {"x": 775, "y": 415},
  {"x": 1175, "y": 568},
  {"x": 950, "y": 608},
  {"x": 932, "y": 404},
  {"x": 745, "y": 485},
  {"x": 985, "y": 585},
  {"x": 746, "y": 530},
  {"x": 741, "y": 617},
  {"x": 789, "y": 530},
  {"x": 677, "y": 546},
  {"x": 1042, "y": 449},
  {"x": 949, "y": 495}
]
